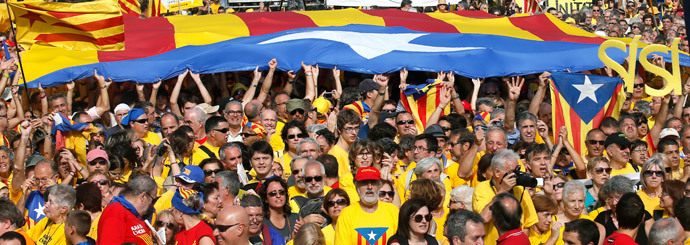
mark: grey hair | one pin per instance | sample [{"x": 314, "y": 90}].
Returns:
[
  {"x": 229, "y": 145},
  {"x": 664, "y": 230},
  {"x": 655, "y": 160},
  {"x": 8, "y": 151},
  {"x": 525, "y": 116},
  {"x": 313, "y": 162},
  {"x": 264, "y": 111},
  {"x": 307, "y": 140},
  {"x": 292, "y": 163},
  {"x": 233, "y": 102},
  {"x": 497, "y": 112},
  {"x": 502, "y": 157},
  {"x": 425, "y": 164},
  {"x": 497, "y": 128},
  {"x": 229, "y": 179},
  {"x": 198, "y": 114},
  {"x": 462, "y": 194},
  {"x": 572, "y": 187},
  {"x": 643, "y": 106},
  {"x": 65, "y": 195},
  {"x": 617, "y": 184},
  {"x": 139, "y": 184},
  {"x": 456, "y": 224},
  {"x": 315, "y": 128},
  {"x": 485, "y": 101}
]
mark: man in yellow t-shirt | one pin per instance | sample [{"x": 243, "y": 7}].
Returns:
[
  {"x": 348, "y": 126},
  {"x": 618, "y": 150},
  {"x": 368, "y": 221},
  {"x": 503, "y": 181},
  {"x": 216, "y": 129}
]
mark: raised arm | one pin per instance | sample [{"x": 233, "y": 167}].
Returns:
[
  {"x": 224, "y": 92},
  {"x": 174, "y": 107},
  {"x": 580, "y": 166},
  {"x": 154, "y": 91},
  {"x": 44, "y": 101},
  {"x": 16, "y": 102},
  {"x": 19, "y": 170},
  {"x": 249, "y": 95},
  {"x": 444, "y": 100},
  {"x": 268, "y": 80},
  {"x": 338, "y": 86},
  {"x": 103, "y": 104},
  {"x": 514, "y": 88},
  {"x": 292, "y": 77},
  {"x": 312, "y": 74},
  {"x": 475, "y": 92},
  {"x": 467, "y": 159},
  {"x": 6, "y": 67},
  {"x": 140, "y": 92},
  {"x": 540, "y": 94},
  {"x": 202, "y": 88},
  {"x": 70, "y": 94},
  {"x": 661, "y": 118},
  {"x": 382, "y": 80}
]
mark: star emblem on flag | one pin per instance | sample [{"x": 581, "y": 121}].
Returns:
[
  {"x": 586, "y": 94},
  {"x": 587, "y": 90},
  {"x": 371, "y": 234},
  {"x": 39, "y": 211}
]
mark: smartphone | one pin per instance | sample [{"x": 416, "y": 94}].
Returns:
[
  {"x": 483, "y": 127},
  {"x": 328, "y": 95}
]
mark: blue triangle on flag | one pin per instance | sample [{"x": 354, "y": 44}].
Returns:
[
  {"x": 371, "y": 234},
  {"x": 585, "y": 93}
]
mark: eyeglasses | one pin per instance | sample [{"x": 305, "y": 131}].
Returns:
[
  {"x": 601, "y": 170},
  {"x": 594, "y": 142},
  {"x": 295, "y": 111},
  {"x": 222, "y": 130},
  {"x": 100, "y": 182},
  {"x": 418, "y": 218},
  {"x": 638, "y": 85},
  {"x": 640, "y": 150},
  {"x": 559, "y": 185},
  {"x": 99, "y": 162},
  {"x": 445, "y": 129},
  {"x": 383, "y": 194},
  {"x": 419, "y": 148},
  {"x": 209, "y": 172},
  {"x": 168, "y": 225},
  {"x": 292, "y": 136},
  {"x": 340, "y": 202},
  {"x": 234, "y": 112},
  {"x": 649, "y": 173},
  {"x": 309, "y": 179},
  {"x": 596, "y": 10},
  {"x": 403, "y": 122},
  {"x": 365, "y": 155},
  {"x": 248, "y": 134},
  {"x": 142, "y": 121},
  {"x": 635, "y": 27},
  {"x": 389, "y": 111},
  {"x": 276, "y": 192},
  {"x": 352, "y": 129},
  {"x": 223, "y": 228}
]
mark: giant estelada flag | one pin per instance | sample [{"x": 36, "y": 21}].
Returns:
[
  {"x": 422, "y": 100},
  {"x": 581, "y": 101}
]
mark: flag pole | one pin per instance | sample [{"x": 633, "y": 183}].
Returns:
[{"x": 19, "y": 57}]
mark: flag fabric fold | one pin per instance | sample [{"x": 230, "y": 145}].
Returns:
[
  {"x": 581, "y": 101},
  {"x": 422, "y": 100},
  {"x": 73, "y": 26}
]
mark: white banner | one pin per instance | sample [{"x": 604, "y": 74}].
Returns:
[{"x": 357, "y": 3}]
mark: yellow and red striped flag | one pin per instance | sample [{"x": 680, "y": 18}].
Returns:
[
  {"x": 152, "y": 8},
  {"x": 421, "y": 100},
  {"x": 74, "y": 26}
]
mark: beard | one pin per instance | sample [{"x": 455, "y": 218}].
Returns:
[{"x": 367, "y": 199}]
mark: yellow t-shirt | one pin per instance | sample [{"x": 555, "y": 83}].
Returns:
[
  {"x": 211, "y": 148},
  {"x": 358, "y": 227},
  {"x": 678, "y": 174},
  {"x": 152, "y": 138},
  {"x": 628, "y": 169},
  {"x": 455, "y": 180},
  {"x": 484, "y": 193},
  {"x": 93, "y": 232},
  {"x": 276, "y": 140},
  {"x": 165, "y": 201},
  {"x": 329, "y": 233},
  {"x": 650, "y": 204},
  {"x": 45, "y": 233}
]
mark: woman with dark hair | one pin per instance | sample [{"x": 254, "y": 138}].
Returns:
[
  {"x": 89, "y": 200},
  {"x": 211, "y": 166},
  {"x": 187, "y": 209},
  {"x": 334, "y": 202},
  {"x": 672, "y": 191},
  {"x": 212, "y": 202},
  {"x": 68, "y": 165},
  {"x": 292, "y": 133},
  {"x": 277, "y": 213},
  {"x": 413, "y": 224},
  {"x": 180, "y": 148}
]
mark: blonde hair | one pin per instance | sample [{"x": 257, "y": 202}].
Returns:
[{"x": 310, "y": 234}]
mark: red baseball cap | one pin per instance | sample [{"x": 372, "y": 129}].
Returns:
[{"x": 368, "y": 173}]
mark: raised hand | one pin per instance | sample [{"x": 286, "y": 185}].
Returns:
[
  {"x": 336, "y": 73},
  {"x": 273, "y": 64},
  {"x": 382, "y": 79},
  {"x": 70, "y": 85},
  {"x": 291, "y": 75},
  {"x": 514, "y": 87},
  {"x": 157, "y": 85},
  {"x": 543, "y": 78},
  {"x": 101, "y": 79}
]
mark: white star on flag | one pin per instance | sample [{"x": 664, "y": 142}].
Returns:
[
  {"x": 587, "y": 90},
  {"x": 372, "y": 236},
  {"x": 39, "y": 211}
]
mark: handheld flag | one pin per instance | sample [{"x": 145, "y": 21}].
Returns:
[
  {"x": 581, "y": 101},
  {"x": 421, "y": 100}
]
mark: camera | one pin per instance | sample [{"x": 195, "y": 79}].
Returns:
[
  {"x": 525, "y": 179},
  {"x": 161, "y": 150}
]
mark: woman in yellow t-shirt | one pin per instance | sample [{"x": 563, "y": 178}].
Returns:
[
  {"x": 652, "y": 175},
  {"x": 545, "y": 230},
  {"x": 334, "y": 202}
]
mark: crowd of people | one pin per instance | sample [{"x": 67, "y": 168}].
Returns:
[{"x": 323, "y": 156}]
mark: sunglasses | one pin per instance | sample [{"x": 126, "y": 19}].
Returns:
[
  {"x": 649, "y": 173},
  {"x": 238, "y": 92},
  {"x": 142, "y": 121},
  {"x": 222, "y": 130},
  {"x": 389, "y": 111},
  {"x": 639, "y": 85},
  {"x": 594, "y": 142},
  {"x": 99, "y": 162},
  {"x": 100, "y": 182},
  {"x": 491, "y": 93},
  {"x": 295, "y": 172},
  {"x": 209, "y": 172},
  {"x": 559, "y": 185},
  {"x": 403, "y": 122},
  {"x": 445, "y": 129},
  {"x": 292, "y": 136},
  {"x": 248, "y": 134},
  {"x": 309, "y": 179},
  {"x": 383, "y": 194},
  {"x": 295, "y": 111},
  {"x": 418, "y": 218},
  {"x": 601, "y": 170},
  {"x": 166, "y": 224},
  {"x": 596, "y": 10},
  {"x": 341, "y": 202},
  {"x": 223, "y": 228},
  {"x": 275, "y": 193}
]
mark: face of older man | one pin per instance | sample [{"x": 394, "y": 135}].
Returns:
[{"x": 313, "y": 179}]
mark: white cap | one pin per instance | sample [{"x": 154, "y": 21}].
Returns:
[
  {"x": 121, "y": 107},
  {"x": 668, "y": 132}
]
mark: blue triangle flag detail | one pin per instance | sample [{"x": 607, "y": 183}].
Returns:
[
  {"x": 371, "y": 234},
  {"x": 585, "y": 93}
]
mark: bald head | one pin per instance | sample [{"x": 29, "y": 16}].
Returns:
[
  {"x": 252, "y": 110},
  {"x": 236, "y": 217}
]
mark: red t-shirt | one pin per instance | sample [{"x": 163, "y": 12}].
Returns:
[
  {"x": 619, "y": 238},
  {"x": 514, "y": 237},
  {"x": 118, "y": 225},
  {"x": 193, "y": 235},
  {"x": 202, "y": 141}
]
